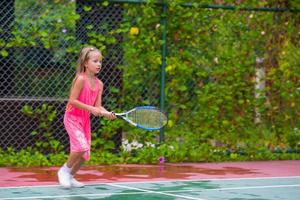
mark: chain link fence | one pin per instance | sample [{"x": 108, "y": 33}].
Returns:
[
  {"x": 233, "y": 81},
  {"x": 40, "y": 41}
]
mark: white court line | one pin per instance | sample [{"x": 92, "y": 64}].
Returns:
[
  {"x": 213, "y": 189},
  {"x": 255, "y": 187},
  {"x": 206, "y": 179},
  {"x": 155, "y": 192},
  {"x": 210, "y": 179},
  {"x": 166, "y": 181},
  {"x": 73, "y": 195},
  {"x": 235, "y": 188},
  {"x": 143, "y": 191}
]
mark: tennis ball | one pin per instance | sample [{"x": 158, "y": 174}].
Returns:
[{"x": 134, "y": 31}]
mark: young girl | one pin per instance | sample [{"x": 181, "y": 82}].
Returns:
[{"x": 85, "y": 98}]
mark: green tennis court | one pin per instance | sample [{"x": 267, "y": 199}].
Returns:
[
  {"x": 246, "y": 188},
  {"x": 230, "y": 180}
]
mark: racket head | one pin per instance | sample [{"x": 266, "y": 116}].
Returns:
[{"x": 147, "y": 117}]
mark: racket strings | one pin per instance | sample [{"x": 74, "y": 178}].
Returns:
[{"x": 148, "y": 118}]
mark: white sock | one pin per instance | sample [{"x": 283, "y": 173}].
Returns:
[{"x": 66, "y": 168}]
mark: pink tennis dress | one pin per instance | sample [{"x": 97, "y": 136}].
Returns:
[{"x": 77, "y": 121}]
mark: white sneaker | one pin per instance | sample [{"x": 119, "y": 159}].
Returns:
[
  {"x": 64, "y": 178},
  {"x": 75, "y": 183}
]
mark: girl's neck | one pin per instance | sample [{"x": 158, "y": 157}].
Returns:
[{"x": 89, "y": 74}]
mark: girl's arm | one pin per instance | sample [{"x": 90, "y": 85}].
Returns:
[
  {"x": 98, "y": 104},
  {"x": 75, "y": 91}
]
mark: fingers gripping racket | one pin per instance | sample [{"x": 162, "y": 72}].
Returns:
[{"x": 145, "y": 117}]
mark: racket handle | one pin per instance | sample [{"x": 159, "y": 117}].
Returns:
[{"x": 117, "y": 115}]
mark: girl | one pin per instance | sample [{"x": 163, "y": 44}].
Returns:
[{"x": 85, "y": 98}]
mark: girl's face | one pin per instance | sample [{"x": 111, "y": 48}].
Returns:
[{"x": 94, "y": 63}]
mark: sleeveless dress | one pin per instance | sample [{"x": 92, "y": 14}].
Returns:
[{"x": 77, "y": 121}]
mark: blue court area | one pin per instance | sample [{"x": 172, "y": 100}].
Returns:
[{"x": 271, "y": 188}]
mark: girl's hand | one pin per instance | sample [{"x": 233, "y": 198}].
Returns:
[
  {"x": 96, "y": 111},
  {"x": 109, "y": 115}
]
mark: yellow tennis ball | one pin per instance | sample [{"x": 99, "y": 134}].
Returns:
[{"x": 134, "y": 31}]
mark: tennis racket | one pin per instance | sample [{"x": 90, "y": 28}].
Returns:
[{"x": 145, "y": 117}]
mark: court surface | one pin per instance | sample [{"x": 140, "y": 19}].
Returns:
[{"x": 233, "y": 180}]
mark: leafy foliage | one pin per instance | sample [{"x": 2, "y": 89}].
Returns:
[
  {"x": 212, "y": 66},
  {"x": 217, "y": 110},
  {"x": 45, "y": 142}
]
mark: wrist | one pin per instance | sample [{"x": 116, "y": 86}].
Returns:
[{"x": 90, "y": 108}]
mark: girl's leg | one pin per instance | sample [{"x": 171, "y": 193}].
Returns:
[
  {"x": 74, "y": 157},
  {"x": 64, "y": 173},
  {"x": 75, "y": 161},
  {"x": 77, "y": 165}
]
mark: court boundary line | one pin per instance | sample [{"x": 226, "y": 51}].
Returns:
[
  {"x": 145, "y": 191},
  {"x": 73, "y": 195},
  {"x": 215, "y": 179},
  {"x": 163, "y": 181},
  {"x": 155, "y": 192},
  {"x": 236, "y": 188},
  {"x": 141, "y": 191}
]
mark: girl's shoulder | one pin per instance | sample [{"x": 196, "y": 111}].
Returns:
[
  {"x": 79, "y": 80},
  {"x": 80, "y": 77},
  {"x": 99, "y": 82}
]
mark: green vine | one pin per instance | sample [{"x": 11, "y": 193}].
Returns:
[{"x": 213, "y": 56}]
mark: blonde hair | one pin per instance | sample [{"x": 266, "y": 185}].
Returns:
[{"x": 84, "y": 56}]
